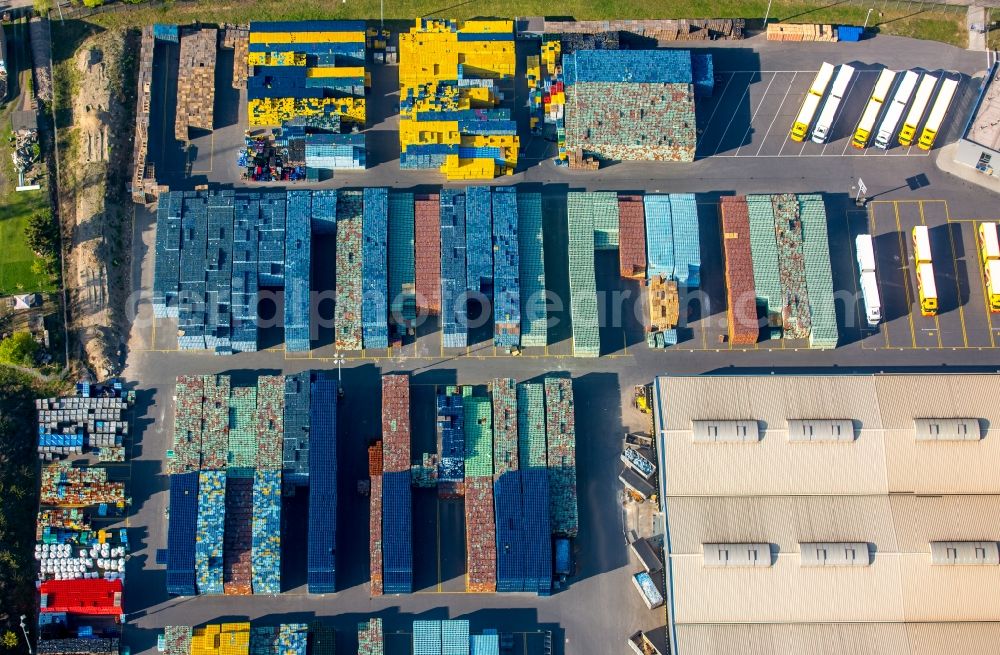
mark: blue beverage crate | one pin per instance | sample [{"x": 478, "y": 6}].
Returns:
[
  {"x": 321, "y": 565},
  {"x": 374, "y": 255},
  {"x": 181, "y": 528}
]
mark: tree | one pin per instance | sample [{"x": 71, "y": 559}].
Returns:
[
  {"x": 93, "y": 3},
  {"x": 19, "y": 349},
  {"x": 9, "y": 639},
  {"x": 43, "y": 7},
  {"x": 42, "y": 233}
]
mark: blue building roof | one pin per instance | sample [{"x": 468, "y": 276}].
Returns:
[{"x": 628, "y": 66}]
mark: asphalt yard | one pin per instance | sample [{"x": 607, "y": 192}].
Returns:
[{"x": 751, "y": 114}]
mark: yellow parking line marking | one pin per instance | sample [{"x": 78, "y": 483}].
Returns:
[
  {"x": 958, "y": 288},
  {"x": 906, "y": 274}
]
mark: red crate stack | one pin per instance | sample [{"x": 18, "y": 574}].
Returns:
[
  {"x": 236, "y": 563},
  {"x": 480, "y": 535},
  {"x": 427, "y": 252},
  {"x": 396, "y": 423},
  {"x": 741, "y": 297},
  {"x": 89, "y": 597},
  {"x": 631, "y": 237},
  {"x": 375, "y": 516}
]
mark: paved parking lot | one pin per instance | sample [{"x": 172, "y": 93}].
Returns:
[{"x": 751, "y": 113}]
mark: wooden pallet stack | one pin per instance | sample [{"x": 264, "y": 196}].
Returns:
[
  {"x": 196, "y": 82},
  {"x": 801, "y": 32}
]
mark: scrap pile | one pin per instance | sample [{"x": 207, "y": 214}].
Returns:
[
  {"x": 307, "y": 73},
  {"x": 453, "y": 81},
  {"x": 81, "y": 569},
  {"x": 225, "y": 470},
  {"x": 634, "y": 105},
  {"x": 792, "y": 279},
  {"x": 195, "y": 81}
]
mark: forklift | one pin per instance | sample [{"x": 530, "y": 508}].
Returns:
[{"x": 641, "y": 399}]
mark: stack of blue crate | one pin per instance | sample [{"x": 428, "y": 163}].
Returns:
[
  {"x": 451, "y": 426},
  {"x": 265, "y": 552},
  {"x": 508, "y": 503},
  {"x": 397, "y": 533},
  {"x": 298, "y": 244},
  {"x": 659, "y": 236},
  {"x": 335, "y": 151},
  {"x": 166, "y": 271},
  {"x": 182, "y": 524},
  {"x": 479, "y": 231},
  {"x": 191, "y": 301},
  {"x": 271, "y": 241},
  {"x": 295, "y": 446},
  {"x": 244, "y": 280},
  {"x": 536, "y": 530},
  {"x": 322, "y": 533},
  {"x": 454, "y": 319},
  {"x": 506, "y": 270},
  {"x": 402, "y": 267},
  {"x": 374, "y": 280},
  {"x": 686, "y": 239},
  {"x": 454, "y": 637},
  {"x": 324, "y": 211},
  {"x": 218, "y": 273},
  {"x": 427, "y": 638},
  {"x": 210, "y": 530}
]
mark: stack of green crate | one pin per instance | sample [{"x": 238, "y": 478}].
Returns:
[
  {"x": 818, "y": 272},
  {"x": 185, "y": 455},
  {"x": 531, "y": 425},
  {"x": 270, "y": 422},
  {"x": 215, "y": 423},
  {"x": 242, "y": 432},
  {"x": 605, "y": 208},
  {"x": 791, "y": 268},
  {"x": 582, "y": 278},
  {"x": 764, "y": 249},
  {"x": 534, "y": 329},
  {"x": 402, "y": 303},
  {"x": 504, "y": 396},
  {"x": 478, "y": 437}
]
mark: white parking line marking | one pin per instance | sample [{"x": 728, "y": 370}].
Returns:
[
  {"x": 776, "y": 113},
  {"x": 733, "y": 117},
  {"x": 754, "y": 114},
  {"x": 719, "y": 103}
]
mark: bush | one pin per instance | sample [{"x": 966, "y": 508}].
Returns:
[
  {"x": 19, "y": 349},
  {"x": 93, "y": 3}
]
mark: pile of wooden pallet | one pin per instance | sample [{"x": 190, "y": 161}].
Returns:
[
  {"x": 801, "y": 32},
  {"x": 195, "y": 81},
  {"x": 237, "y": 38},
  {"x": 577, "y": 160}
]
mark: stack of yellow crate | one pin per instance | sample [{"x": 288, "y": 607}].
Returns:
[
  {"x": 221, "y": 639},
  {"x": 448, "y": 69},
  {"x": 296, "y": 46}
]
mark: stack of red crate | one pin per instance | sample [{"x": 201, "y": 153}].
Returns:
[
  {"x": 741, "y": 297},
  {"x": 375, "y": 516},
  {"x": 237, "y": 576},
  {"x": 427, "y": 252},
  {"x": 480, "y": 535},
  {"x": 631, "y": 237},
  {"x": 88, "y": 597}
]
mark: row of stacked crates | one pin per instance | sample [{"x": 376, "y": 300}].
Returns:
[
  {"x": 374, "y": 254},
  {"x": 506, "y": 270},
  {"x": 480, "y": 521},
  {"x": 454, "y": 318},
  {"x": 397, "y": 506},
  {"x": 427, "y": 253},
  {"x": 450, "y": 637},
  {"x": 298, "y": 261},
  {"x": 375, "y": 466},
  {"x": 446, "y": 68},
  {"x": 229, "y": 452},
  {"x": 582, "y": 276},
  {"x": 531, "y": 257},
  {"x": 402, "y": 280},
  {"x": 322, "y": 530},
  {"x": 672, "y": 238},
  {"x": 347, "y": 308},
  {"x": 450, "y": 426},
  {"x": 741, "y": 301}
]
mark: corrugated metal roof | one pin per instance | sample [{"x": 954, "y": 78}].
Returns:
[
  {"x": 886, "y": 489},
  {"x": 838, "y": 638}
]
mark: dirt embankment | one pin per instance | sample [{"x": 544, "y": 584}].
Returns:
[{"x": 95, "y": 207}]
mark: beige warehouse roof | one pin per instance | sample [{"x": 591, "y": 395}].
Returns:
[
  {"x": 886, "y": 488},
  {"x": 884, "y": 458}
]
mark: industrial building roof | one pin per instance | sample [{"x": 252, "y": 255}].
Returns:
[
  {"x": 872, "y": 465},
  {"x": 984, "y": 128}
]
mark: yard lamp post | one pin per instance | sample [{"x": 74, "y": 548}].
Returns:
[
  {"x": 338, "y": 359},
  {"x": 867, "y": 16},
  {"x": 24, "y": 629},
  {"x": 767, "y": 13}
]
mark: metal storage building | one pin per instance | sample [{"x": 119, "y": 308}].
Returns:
[{"x": 853, "y": 530}]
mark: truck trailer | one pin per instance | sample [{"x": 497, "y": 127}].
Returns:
[
  {"x": 938, "y": 112},
  {"x": 896, "y": 108},
  {"x": 826, "y": 118},
  {"x": 863, "y": 132},
  {"x": 868, "y": 280},
  {"x": 926, "y": 286},
  {"x": 811, "y": 102},
  {"x": 989, "y": 256},
  {"x": 916, "y": 114}
]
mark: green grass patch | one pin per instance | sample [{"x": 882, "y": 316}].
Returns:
[{"x": 926, "y": 21}]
